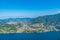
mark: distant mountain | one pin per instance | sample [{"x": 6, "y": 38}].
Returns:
[{"x": 15, "y": 20}]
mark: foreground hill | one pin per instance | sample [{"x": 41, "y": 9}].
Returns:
[
  {"x": 48, "y": 19},
  {"x": 31, "y": 25}
]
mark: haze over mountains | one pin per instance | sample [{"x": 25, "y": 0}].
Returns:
[{"x": 30, "y": 25}]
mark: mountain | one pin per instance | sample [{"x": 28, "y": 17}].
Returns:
[
  {"x": 30, "y": 25},
  {"x": 48, "y": 20},
  {"x": 15, "y": 20}
]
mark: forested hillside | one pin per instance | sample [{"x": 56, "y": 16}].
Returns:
[{"x": 30, "y": 25}]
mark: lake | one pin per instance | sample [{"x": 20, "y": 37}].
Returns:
[{"x": 31, "y": 36}]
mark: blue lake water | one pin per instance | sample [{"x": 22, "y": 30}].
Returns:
[{"x": 33, "y": 36}]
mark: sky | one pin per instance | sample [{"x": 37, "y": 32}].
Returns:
[{"x": 28, "y": 8}]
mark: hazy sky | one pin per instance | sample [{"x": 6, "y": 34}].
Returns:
[{"x": 28, "y": 8}]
